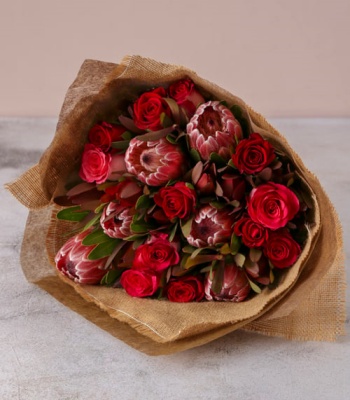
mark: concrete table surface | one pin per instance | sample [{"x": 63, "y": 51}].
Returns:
[{"x": 49, "y": 352}]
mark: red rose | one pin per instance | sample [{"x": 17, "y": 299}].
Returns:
[
  {"x": 186, "y": 95},
  {"x": 272, "y": 205},
  {"x": 156, "y": 255},
  {"x": 139, "y": 283},
  {"x": 95, "y": 164},
  {"x": 254, "y": 154},
  {"x": 184, "y": 289},
  {"x": 253, "y": 234},
  {"x": 72, "y": 261},
  {"x": 103, "y": 134},
  {"x": 176, "y": 201},
  {"x": 148, "y": 110},
  {"x": 281, "y": 249}
]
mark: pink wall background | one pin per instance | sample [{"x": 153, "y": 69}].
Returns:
[{"x": 285, "y": 58}]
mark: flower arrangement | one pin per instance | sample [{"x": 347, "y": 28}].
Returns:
[{"x": 179, "y": 198}]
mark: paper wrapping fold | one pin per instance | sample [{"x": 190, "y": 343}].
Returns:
[{"x": 309, "y": 302}]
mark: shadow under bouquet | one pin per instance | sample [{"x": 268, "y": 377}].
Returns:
[{"x": 178, "y": 214}]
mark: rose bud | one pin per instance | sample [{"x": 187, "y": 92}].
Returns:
[
  {"x": 184, "y": 289},
  {"x": 95, "y": 164},
  {"x": 72, "y": 261},
  {"x": 186, "y": 95},
  {"x": 205, "y": 184},
  {"x": 156, "y": 254},
  {"x": 148, "y": 110},
  {"x": 116, "y": 220},
  {"x": 211, "y": 226},
  {"x": 103, "y": 134},
  {"x": 272, "y": 205},
  {"x": 213, "y": 129},
  {"x": 254, "y": 154},
  {"x": 177, "y": 201},
  {"x": 155, "y": 162},
  {"x": 281, "y": 249},
  {"x": 253, "y": 234},
  {"x": 235, "y": 285},
  {"x": 139, "y": 283},
  {"x": 125, "y": 193},
  {"x": 233, "y": 186}
]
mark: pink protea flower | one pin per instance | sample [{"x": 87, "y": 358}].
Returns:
[
  {"x": 72, "y": 261},
  {"x": 211, "y": 226},
  {"x": 213, "y": 129},
  {"x": 155, "y": 162},
  {"x": 235, "y": 285},
  {"x": 116, "y": 220}
]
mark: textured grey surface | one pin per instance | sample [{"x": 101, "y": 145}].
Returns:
[{"x": 49, "y": 352}]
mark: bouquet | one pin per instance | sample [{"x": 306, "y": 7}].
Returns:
[{"x": 179, "y": 214}]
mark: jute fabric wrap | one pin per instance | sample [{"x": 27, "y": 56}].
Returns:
[{"x": 308, "y": 303}]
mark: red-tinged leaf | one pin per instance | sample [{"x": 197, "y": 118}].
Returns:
[
  {"x": 276, "y": 165},
  {"x": 81, "y": 188},
  {"x": 197, "y": 172},
  {"x": 265, "y": 174},
  {"x": 174, "y": 108},
  {"x": 255, "y": 254},
  {"x": 129, "y": 124},
  {"x": 218, "y": 190},
  {"x": 252, "y": 268},
  {"x": 114, "y": 253},
  {"x": 156, "y": 135}
]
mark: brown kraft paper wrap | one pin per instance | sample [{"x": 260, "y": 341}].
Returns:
[{"x": 308, "y": 303}]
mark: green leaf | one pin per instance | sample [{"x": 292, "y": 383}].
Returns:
[
  {"x": 104, "y": 249},
  {"x": 171, "y": 139},
  {"x": 200, "y": 259},
  {"x": 156, "y": 135},
  {"x": 219, "y": 161},
  {"x": 127, "y": 135},
  {"x": 143, "y": 202},
  {"x": 173, "y": 232},
  {"x": 239, "y": 259},
  {"x": 186, "y": 227},
  {"x": 72, "y": 214},
  {"x": 235, "y": 244},
  {"x": 121, "y": 144},
  {"x": 139, "y": 227},
  {"x": 254, "y": 286},
  {"x": 195, "y": 155},
  {"x": 111, "y": 277},
  {"x": 225, "y": 249},
  {"x": 92, "y": 222},
  {"x": 218, "y": 279},
  {"x": 96, "y": 237},
  {"x": 236, "y": 111},
  {"x": 231, "y": 164}
]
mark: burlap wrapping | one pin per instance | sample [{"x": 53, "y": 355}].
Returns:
[{"x": 308, "y": 304}]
